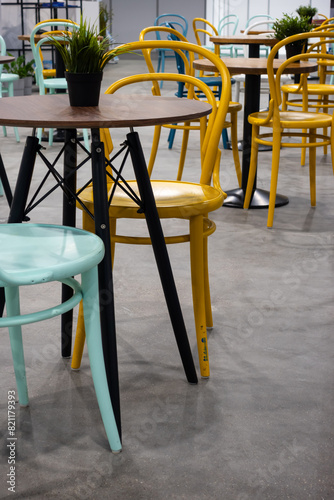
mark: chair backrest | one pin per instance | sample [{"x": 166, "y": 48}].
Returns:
[
  {"x": 325, "y": 67},
  {"x": 170, "y": 34},
  {"x": 179, "y": 23},
  {"x": 210, "y": 143},
  {"x": 317, "y": 42},
  {"x": 253, "y": 19},
  {"x": 3, "y": 51},
  {"x": 203, "y": 27},
  {"x": 267, "y": 24},
  {"x": 228, "y": 25},
  {"x": 57, "y": 35},
  {"x": 49, "y": 27}
]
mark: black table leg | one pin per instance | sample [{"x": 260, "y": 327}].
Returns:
[
  {"x": 69, "y": 219},
  {"x": 101, "y": 212},
  {"x": 5, "y": 183},
  {"x": 23, "y": 182},
  {"x": 260, "y": 197},
  {"x": 161, "y": 255},
  {"x": 21, "y": 191}
]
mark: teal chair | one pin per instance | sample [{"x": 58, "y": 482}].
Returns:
[
  {"x": 7, "y": 79},
  {"x": 180, "y": 24},
  {"x": 51, "y": 85},
  {"x": 228, "y": 26},
  {"x": 32, "y": 254}
]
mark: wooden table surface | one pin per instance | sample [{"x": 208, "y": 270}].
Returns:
[
  {"x": 263, "y": 39},
  {"x": 254, "y": 66},
  {"x": 114, "y": 111},
  {"x": 6, "y": 59}
]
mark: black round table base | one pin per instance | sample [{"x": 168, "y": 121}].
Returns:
[
  {"x": 260, "y": 199},
  {"x": 262, "y": 147}
]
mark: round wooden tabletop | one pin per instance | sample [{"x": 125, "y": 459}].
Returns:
[
  {"x": 6, "y": 59},
  {"x": 262, "y": 39},
  {"x": 254, "y": 66},
  {"x": 114, "y": 111}
]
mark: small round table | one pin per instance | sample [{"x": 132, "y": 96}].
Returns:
[
  {"x": 114, "y": 111},
  {"x": 6, "y": 59},
  {"x": 253, "y": 68}
]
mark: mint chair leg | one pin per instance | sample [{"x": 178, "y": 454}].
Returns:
[
  {"x": 15, "y": 336},
  {"x": 91, "y": 308}
]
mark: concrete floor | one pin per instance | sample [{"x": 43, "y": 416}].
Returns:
[{"x": 261, "y": 427}]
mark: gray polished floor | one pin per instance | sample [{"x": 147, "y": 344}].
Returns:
[{"x": 261, "y": 427}]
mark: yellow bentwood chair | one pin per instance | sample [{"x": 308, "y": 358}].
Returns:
[
  {"x": 300, "y": 125},
  {"x": 321, "y": 94},
  {"x": 234, "y": 107},
  {"x": 178, "y": 199}
]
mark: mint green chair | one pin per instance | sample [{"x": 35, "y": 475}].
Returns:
[
  {"x": 7, "y": 79},
  {"x": 45, "y": 84},
  {"x": 32, "y": 254}
]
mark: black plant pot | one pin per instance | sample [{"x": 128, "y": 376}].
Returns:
[
  {"x": 84, "y": 88},
  {"x": 292, "y": 49}
]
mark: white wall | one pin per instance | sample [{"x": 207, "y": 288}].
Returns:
[
  {"x": 244, "y": 9},
  {"x": 131, "y": 16}
]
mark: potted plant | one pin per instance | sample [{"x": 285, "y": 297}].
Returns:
[
  {"x": 307, "y": 11},
  {"x": 25, "y": 71},
  {"x": 85, "y": 54},
  {"x": 290, "y": 25}
]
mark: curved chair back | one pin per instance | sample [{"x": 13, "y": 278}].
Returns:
[
  {"x": 169, "y": 32},
  {"x": 210, "y": 143},
  {"x": 228, "y": 25},
  {"x": 3, "y": 51},
  {"x": 50, "y": 27},
  {"x": 179, "y": 23},
  {"x": 267, "y": 24},
  {"x": 315, "y": 39},
  {"x": 203, "y": 27}
]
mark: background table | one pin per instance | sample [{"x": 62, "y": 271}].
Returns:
[
  {"x": 253, "y": 68},
  {"x": 6, "y": 59},
  {"x": 114, "y": 111},
  {"x": 253, "y": 41}
]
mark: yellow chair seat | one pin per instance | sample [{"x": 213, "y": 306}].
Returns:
[
  {"x": 173, "y": 200},
  {"x": 293, "y": 119},
  {"x": 312, "y": 88}
]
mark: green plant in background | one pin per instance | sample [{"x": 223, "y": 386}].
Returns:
[
  {"x": 290, "y": 25},
  {"x": 20, "y": 67},
  {"x": 105, "y": 19},
  {"x": 83, "y": 50},
  {"x": 306, "y": 11}
]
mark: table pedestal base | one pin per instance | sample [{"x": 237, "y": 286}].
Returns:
[{"x": 260, "y": 199}]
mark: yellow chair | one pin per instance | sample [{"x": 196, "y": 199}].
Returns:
[
  {"x": 319, "y": 93},
  {"x": 293, "y": 124},
  {"x": 233, "y": 110},
  {"x": 178, "y": 199}
]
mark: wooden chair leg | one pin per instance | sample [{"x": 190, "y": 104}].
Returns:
[
  {"x": 208, "y": 307},
  {"x": 90, "y": 289},
  {"x": 184, "y": 146},
  {"x": 312, "y": 169},
  {"x": 274, "y": 176},
  {"x": 234, "y": 144},
  {"x": 197, "y": 277},
  {"x": 15, "y": 336},
  {"x": 252, "y": 167}
]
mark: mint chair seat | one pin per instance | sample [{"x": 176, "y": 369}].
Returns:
[{"x": 32, "y": 254}]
